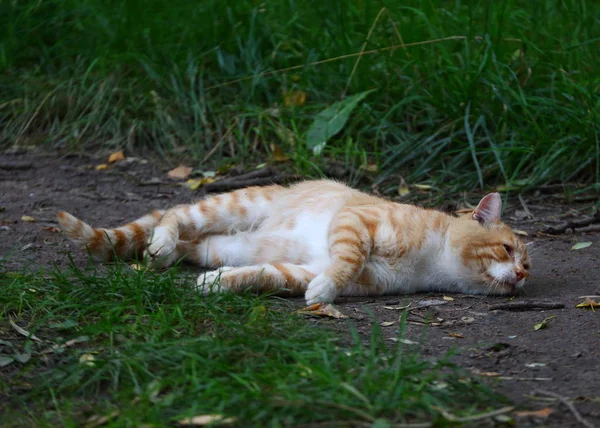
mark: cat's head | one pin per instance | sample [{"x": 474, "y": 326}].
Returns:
[{"x": 494, "y": 259}]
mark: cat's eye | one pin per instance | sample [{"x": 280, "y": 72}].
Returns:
[
  {"x": 526, "y": 266},
  {"x": 508, "y": 249}
]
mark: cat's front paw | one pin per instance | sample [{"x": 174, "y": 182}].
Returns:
[
  {"x": 321, "y": 289},
  {"x": 210, "y": 281},
  {"x": 161, "y": 250}
]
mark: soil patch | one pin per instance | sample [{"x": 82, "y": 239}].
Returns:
[{"x": 501, "y": 346}]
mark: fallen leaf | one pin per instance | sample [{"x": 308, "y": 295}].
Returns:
[
  {"x": 202, "y": 420},
  {"x": 24, "y": 332},
  {"x": 520, "y": 232},
  {"x": 542, "y": 413},
  {"x": 489, "y": 374},
  {"x": 22, "y": 358},
  {"x": 294, "y": 98},
  {"x": 6, "y": 360},
  {"x": 28, "y": 219},
  {"x": 544, "y": 323},
  {"x": 181, "y": 172},
  {"x": 457, "y": 335},
  {"x": 101, "y": 167},
  {"x": 97, "y": 420},
  {"x": 405, "y": 341},
  {"x": 581, "y": 245},
  {"x": 433, "y": 302},
  {"x": 87, "y": 359},
  {"x": 397, "y": 308},
  {"x": 278, "y": 154},
  {"x": 448, "y": 298},
  {"x": 321, "y": 310},
  {"x": 403, "y": 190},
  {"x": 387, "y": 323},
  {"x": 589, "y": 303},
  {"x": 425, "y": 187},
  {"x": 51, "y": 229},
  {"x": 467, "y": 320},
  {"x": 534, "y": 365},
  {"x": 116, "y": 156},
  {"x": 193, "y": 184}
]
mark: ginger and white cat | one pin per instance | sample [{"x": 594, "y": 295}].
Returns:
[{"x": 322, "y": 239}]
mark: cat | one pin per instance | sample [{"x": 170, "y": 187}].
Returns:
[{"x": 322, "y": 239}]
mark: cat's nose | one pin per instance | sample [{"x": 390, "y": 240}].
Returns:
[{"x": 520, "y": 275}]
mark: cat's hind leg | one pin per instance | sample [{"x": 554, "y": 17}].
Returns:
[
  {"x": 218, "y": 214},
  {"x": 288, "y": 278}
]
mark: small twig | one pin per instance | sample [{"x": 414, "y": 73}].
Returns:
[
  {"x": 452, "y": 418},
  {"x": 352, "y": 55},
  {"x": 11, "y": 166},
  {"x": 216, "y": 146},
  {"x": 526, "y": 305},
  {"x": 228, "y": 185},
  {"x": 569, "y": 405},
  {"x": 525, "y": 207},
  {"x": 573, "y": 224}
]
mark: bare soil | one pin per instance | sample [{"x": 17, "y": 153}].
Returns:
[{"x": 500, "y": 346}]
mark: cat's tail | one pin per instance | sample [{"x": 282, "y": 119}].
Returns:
[{"x": 125, "y": 241}]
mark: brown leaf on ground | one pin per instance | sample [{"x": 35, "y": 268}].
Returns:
[
  {"x": 387, "y": 323},
  {"x": 201, "y": 420},
  {"x": 321, "y": 310},
  {"x": 541, "y": 413},
  {"x": 457, "y": 335},
  {"x": 101, "y": 167},
  {"x": 116, "y": 157},
  {"x": 51, "y": 229},
  {"x": 181, "y": 172}
]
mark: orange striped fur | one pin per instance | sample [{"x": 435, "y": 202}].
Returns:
[{"x": 321, "y": 239}]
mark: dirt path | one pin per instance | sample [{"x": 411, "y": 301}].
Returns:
[{"x": 501, "y": 346}]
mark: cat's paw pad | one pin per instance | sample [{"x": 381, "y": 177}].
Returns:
[
  {"x": 210, "y": 281},
  {"x": 321, "y": 289},
  {"x": 162, "y": 246}
]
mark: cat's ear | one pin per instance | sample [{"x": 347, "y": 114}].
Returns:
[{"x": 489, "y": 209}]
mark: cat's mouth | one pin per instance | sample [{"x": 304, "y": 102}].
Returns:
[{"x": 504, "y": 287}]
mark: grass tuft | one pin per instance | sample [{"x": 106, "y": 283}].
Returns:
[{"x": 143, "y": 348}]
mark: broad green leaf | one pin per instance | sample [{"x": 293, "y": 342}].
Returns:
[
  {"x": 581, "y": 245},
  {"x": 5, "y": 360},
  {"x": 331, "y": 121}
]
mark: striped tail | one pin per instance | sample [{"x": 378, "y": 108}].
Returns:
[{"x": 125, "y": 242}]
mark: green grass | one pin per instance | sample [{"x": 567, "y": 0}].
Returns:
[
  {"x": 151, "y": 351},
  {"x": 483, "y": 110}
]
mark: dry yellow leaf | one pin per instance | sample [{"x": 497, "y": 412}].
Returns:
[
  {"x": 426, "y": 187},
  {"x": 87, "y": 359},
  {"x": 457, "y": 335},
  {"x": 278, "y": 154},
  {"x": 27, "y": 218},
  {"x": 294, "y": 98},
  {"x": 542, "y": 413},
  {"x": 387, "y": 323},
  {"x": 201, "y": 420},
  {"x": 321, "y": 310},
  {"x": 490, "y": 374},
  {"x": 116, "y": 157},
  {"x": 403, "y": 190},
  {"x": 195, "y": 183},
  {"x": 101, "y": 167},
  {"x": 448, "y": 298},
  {"x": 520, "y": 232},
  {"x": 181, "y": 172}
]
